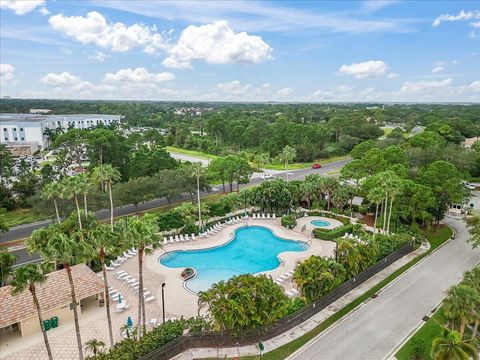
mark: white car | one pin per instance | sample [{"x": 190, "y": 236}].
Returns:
[
  {"x": 267, "y": 176},
  {"x": 469, "y": 186}
]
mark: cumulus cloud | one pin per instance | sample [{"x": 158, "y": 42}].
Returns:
[
  {"x": 475, "y": 86},
  {"x": 216, "y": 43},
  {"x": 475, "y": 24},
  {"x": 137, "y": 76},
  {"x": 61, "y": 79},
  {"x": 94, "y": 29},
  {"x": 6, "y": 72},
  {"x": 99, "y": 56},
  {"x": 420, "y": 86},
  {"x": 44, "y": 11},
  {"x": 284, "y": 93},
  {"x": 365, "y": 70},
  {"x": 437, "y": 69},
  {"x": 392, "y": 76},
  {"x": 21, "y": 7},
  {"x": 234, "y": 88},
  {"x": 461, "y": 16}
]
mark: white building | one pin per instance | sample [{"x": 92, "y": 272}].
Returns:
[{"x": 20, "y": 129}]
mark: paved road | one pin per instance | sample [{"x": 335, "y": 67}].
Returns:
[
  {"x": 24, "y": 231},
  {"x": 376, "y": 328}
]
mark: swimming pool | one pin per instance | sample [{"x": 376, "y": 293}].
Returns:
[
  {"x": 320, "y": 223},
  {"x": 253, "y": 249}
]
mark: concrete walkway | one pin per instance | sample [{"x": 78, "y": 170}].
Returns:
[{"x": 306, "y": 326}]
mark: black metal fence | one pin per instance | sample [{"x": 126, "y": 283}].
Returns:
[{"x": 217, "y": 339}]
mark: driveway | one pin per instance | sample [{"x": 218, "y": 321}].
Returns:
[{"x": 376, "y": 328}]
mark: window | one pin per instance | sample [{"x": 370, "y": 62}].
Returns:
[
  {"x": 4, "y": 129},
  {"x": 14, "y": 129},
  {"x": 6, "y": 138},
  {"x": 21, "y": 129},
  {"x": 23, "y": 139},
  {"x": 16, "y": 139}
]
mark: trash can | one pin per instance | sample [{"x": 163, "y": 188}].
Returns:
[
  {"x": 54, "y": 321},
  {"x": 46, "y": 324}
]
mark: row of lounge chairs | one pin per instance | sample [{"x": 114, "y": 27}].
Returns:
[
  {"x": 122, "y": 258},
  {"x": 292, "y": 292},
  {"x": 179, "y": 238},
  {"x": 135, "y": 284},
  {"x": 264, "y": 216},
  {"x": 281, "y": 279}
]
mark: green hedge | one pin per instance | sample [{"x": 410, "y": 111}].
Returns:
[
  {"x": 289, "y": 221},
  {"x": 342, "y": 219},
  {"x": 332, "y": 234}
]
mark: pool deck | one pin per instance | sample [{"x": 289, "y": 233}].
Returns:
[
  {"x": 307, "y": 221},
  {"x": 179, "y": 301}
]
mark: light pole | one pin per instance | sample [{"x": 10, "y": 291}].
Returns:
[{"x": 163, "y": 302}]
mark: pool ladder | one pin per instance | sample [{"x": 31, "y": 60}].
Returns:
[{"x": 169, "y": 256}]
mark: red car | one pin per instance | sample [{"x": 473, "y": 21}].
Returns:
[{"x": 316, "y": 166}]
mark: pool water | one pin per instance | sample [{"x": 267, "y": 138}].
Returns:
[
  {"x": 320, "y": 223},
  {"x": 253, "y": 249}
]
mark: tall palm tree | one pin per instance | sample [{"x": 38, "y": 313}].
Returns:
[
  {"x": 67, "y": 250},
  {"x": 197, "y": 171},
  {"x": 70, "y": 190},
  {"x": 472, "y": 279},
  {"x": 95, "y": 346},
  {"x": 83, "y": 185},
  {"x": 451, "y": 347},
  {"x": 141, "y": 234},
  {"x": 329, "y": 185},
  {"x": 460, "y": 304},
  {"x": 288, "y": 154},
  {"x": 27, "y": 277},
  {"x": 104, "y": 241},
  {"x": 375, "y": 195},
  {"x": 52, "y": 191},
  {"x": 108, "y": 175}
]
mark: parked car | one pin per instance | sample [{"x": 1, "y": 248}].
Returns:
[
  {"x": 267, "y": 176},
  {"x": 469, "y": 186},
  {"x": 316, "y": 166}
]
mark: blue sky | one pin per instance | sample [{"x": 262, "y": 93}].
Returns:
[{"x": 241, "y": 50}]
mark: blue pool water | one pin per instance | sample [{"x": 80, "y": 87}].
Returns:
[
  {"x": 253, "y": 249},
  {"x": 320, "y": 223}
]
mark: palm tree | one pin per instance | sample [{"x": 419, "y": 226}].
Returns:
[
  {"x": 70, "y": 190},
  {"x": 197, "y": 171},
  {"x": 451, "y": 347},
  {"x": 375, "y": 195},
  {"x": 68, "y": 251},
  {"x": 330, "y": 185},
  {"x": 27, "y": 277},
  {"x": 104, "y": 241},
  {"x": 472, "y": 279},
  {"x": 340, "y": 197},
  {"x": 141, "y": 234},
  {"x": 7, "y": 260},
  {"x": 460, "y": 304},
  {"x": 52, "y": 191},
  {"x": 107, "y": 174},
  {"x": 83, "y": 185},
  {"x": 288, "y": 154},
  {"x": 95, "y": 346}
]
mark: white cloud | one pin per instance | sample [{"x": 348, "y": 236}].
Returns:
[
  {"x": 392, "y": 76},
  {"x": 66, "y": 51},
  {"x": 365, "y": 70},
  {"x": 65, "y": 80},
  {"x": 44, "y": 11},
  {"x": 472, "y": 34},
  {"x": 284, "y": 93},
  {"x": 462, "y": 15},
  {"x": 99, "y": 56},
  {"x": 137, "y": 76},
  {"x": 94, "y": 29},
  {"x": 216, "y": 43},
  {"x": 421, "y": 86},
  {"x": 475, "y": 24},
  {"x": 21, "y": 7},
  {"x": 475, "y": 86},
  {"x": 437, "y": 69},
  {"x": 6, "y": 72},
  {"x": 234, "y": 88},
  {"x": 375, "y": 5}
]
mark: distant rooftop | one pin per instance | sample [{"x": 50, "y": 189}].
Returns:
[{"x": 36, "y": 117}]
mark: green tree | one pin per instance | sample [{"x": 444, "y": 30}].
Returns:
[
  {"x": 7, "y": 260},
  {"x": 107, "y": 175},
  {"x": 451, "y": 347},
  {"x": 244, "y": 302},
  {"x": 461, "y": 304},
  {"x": 288, "y": 154},
  {"x": 141, "y": 234},
  {"x": 27, "y": 277},
  {"x": 95, "y": 346},
  {"x": 472, "y": 279},
  {"x": 52, "y": 191}
]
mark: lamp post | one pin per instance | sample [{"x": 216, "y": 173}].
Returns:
[
  {"x": 336, "y": 251},
  {"x": 163, "y": 302}
]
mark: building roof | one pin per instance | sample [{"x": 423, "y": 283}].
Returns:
[
  {"x": 470, "y": 141},
  {"x": 15, "y": 118},
  {"x": 52, "y": 294}
]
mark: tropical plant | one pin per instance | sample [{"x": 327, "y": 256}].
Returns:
[
  {"x": 140, "y": 233},
  {"x": 472, "y": 279},
  {"x": 95, "y": 346},
  {"x": 451, "y": 347},
  {"x": 288, "y": 154},
  {"x": 6, "y": 262},
  {"x": 27, "y": 277},
  {"x": 350, "y": 257},
  {"x": 107, "y": 174},
  {"x": 52, "y": 191},
  {"x": 461, "y": 304},
  {"x": 244, "y": 302},
  {"x": 105, "y": 242}
]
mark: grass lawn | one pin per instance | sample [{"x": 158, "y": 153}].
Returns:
[
  {"x": 296, "y": 166},
  {"x": 443, "y": 234},
  {"x": 23, "y": 216},
  {"x": 425, "y": 335},
  {"x": 191, "y": 152}
]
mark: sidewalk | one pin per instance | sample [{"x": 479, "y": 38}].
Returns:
[{"x": 306, "y": 326}]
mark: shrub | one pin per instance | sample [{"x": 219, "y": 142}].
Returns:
[
  {"x": 332, "y": 234},
  {"x": 170, "y": 220},
  {"x": 418, "y": 347},
  {"x": 289, "y": 221},
  {"x": 190, "y": 228}
]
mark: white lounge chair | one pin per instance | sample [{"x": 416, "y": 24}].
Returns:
[
  {"x": 274, "y": 216},
  {"x": 135, "y": 283},
  {"x": 187, "y": 238},
  {"x": 131, "y": 253},
  {"x": 134, "y": 251},
  {"x": 127, "y": 256},
  {"x": 109, "y": 268},
  {"x": 132, "y": 280},
  {"x": 177, "y": 239},
  {"x": 280, "y": 280},
  {"x": 146, "y": 293},
  {"x": 150, "y": 299},
  {"x": 182, "y": 239},
  {"x": 123, "y": 276},
  {"x": 121, "y": 272},
  {"x": 170, "y": 239},
  {"x": 193, "y": 237}
]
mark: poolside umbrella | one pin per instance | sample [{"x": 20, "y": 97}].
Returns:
[
  {"x": 129, "y": 322},
  {"x": 119, "y": 298}
]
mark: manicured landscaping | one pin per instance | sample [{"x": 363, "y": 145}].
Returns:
[
  {"x": 191, "y": 152},
  {"x": 287, "y": 349},
  {"x": 420, "y": 344}
]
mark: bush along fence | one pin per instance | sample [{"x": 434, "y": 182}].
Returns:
[{"x": 219, "y": 339}]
